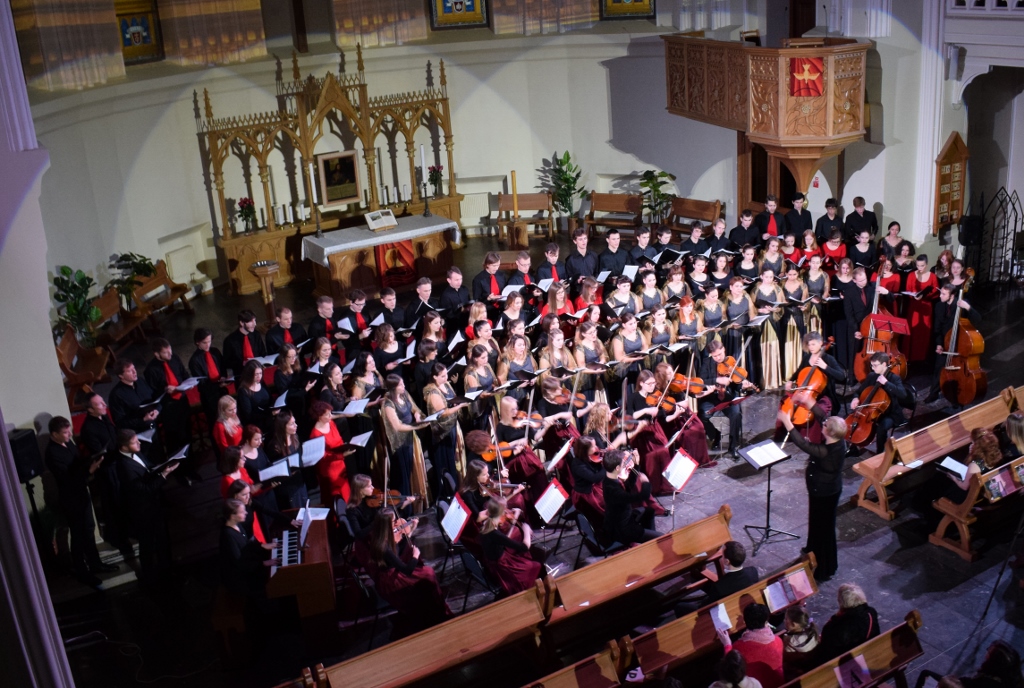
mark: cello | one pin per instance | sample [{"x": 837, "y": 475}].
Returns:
[
  {"x": 876, "y": 341},
  {"x": 812, "y": 381},
  {"x": 873, "y": 402},
  {"x": 962, "y": 380}
]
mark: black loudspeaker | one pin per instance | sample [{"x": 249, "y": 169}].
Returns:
[
  {"x": 27, "y": 459},
  {"x": 971, "y": 229}
]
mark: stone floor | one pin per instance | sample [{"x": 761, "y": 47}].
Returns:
[{"x": 169, "y": 637}]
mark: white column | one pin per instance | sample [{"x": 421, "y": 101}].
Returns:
[{"x": 930, "y": 117}]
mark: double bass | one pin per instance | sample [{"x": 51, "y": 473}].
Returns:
[
  {"x": 877, "y": 341},
  {"x": 962, "y": 380}
]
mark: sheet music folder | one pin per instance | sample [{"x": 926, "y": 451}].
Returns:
[{"x": 763, "y": 454}]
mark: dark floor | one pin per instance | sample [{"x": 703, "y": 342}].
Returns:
[{"x": 169, "y": 639}]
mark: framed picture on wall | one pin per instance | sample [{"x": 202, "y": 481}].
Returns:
[
  {"x": 339, "y": 179},
  {"x": 458, "y": 14},
  {"x": 627, "y": 9}
]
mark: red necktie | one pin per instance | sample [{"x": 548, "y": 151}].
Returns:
[
  {"x": 771, "y": 225},
  {"x": 246, "y": 349},
  {"x": 211, "y": 368},
  {"x": 494, "y": 285},
  {"x": 526, "y": 279},
  {"x": 554, "y": 273},
  {"x": 328, "y": 326},
  {"x": 288, "y": 337},
  {"x": 360, "y": 323},
  {"x": 863, "y": 297},
  {"x": 172, "y": 380}
]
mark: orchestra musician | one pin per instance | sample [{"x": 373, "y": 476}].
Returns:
[
  {"x": 694, "y": 439},
  {"x": 893, "y": 386},
  {"x": 943, "y": 312},
  {"x": 626, "y": 518},
  {"x": 650, "y": 442},
  {"x": 724, "y": 390},
  {"x": 587, "y": 470},
  {"x": 523, "y": 466},
  {"x": 507, "y": 555}
]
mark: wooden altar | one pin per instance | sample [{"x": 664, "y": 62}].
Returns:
[{"x": 307, "y": 108}]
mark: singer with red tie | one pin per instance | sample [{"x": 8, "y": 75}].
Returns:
[
  {"x": 323, "y": 325},
  {"x": 770, "y": 222},
  {"x": 552, "y": 268},
  {"x": 164, "y": 373},
  {"x": 207, "y": 363},
  {"x": 489, "y": 283},
  {"x": 286, "y": 331},
  {"x": 244, "y": 343}
]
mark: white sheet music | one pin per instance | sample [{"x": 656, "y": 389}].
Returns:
[
  {"x": 765, "y": 454},
  {"x": 188, "y": 384},
  {"x": 355, "y": 407},
  {"x": 545, "y": 284},
  {"x": 346, "y": 325},
  {"x": 603, "y": 277},
  {"x": 315, "y": 514},
  {"x": 146, "y": 435},
  {"x": 279, "y": 402},
  {"x": 720, "y": 618},
  {"x": 348, "y": 367},
  {"x": 378, "y": 321},
  {"x": 275, "y": 470},
  {"x": 550, "y": 465},
  {"x": 313, "y": 450},
  {"x": 293, "y": 461},
  {"x": 455, "y": 520},
  {"x": 551, "y": 501},
  {"x": 630, "y": 271},
  {"x": 456, "y": 340},
  {"x": 680, "y": 470},
  {"x": 360, "y": 440},
  {"x": 266, "y": 360}
]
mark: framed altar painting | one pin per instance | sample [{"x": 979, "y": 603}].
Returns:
[
  {"x": 458, "y": 14},
  {"x": 339, "y": 179},
  {"x": 627, "y": 9}
]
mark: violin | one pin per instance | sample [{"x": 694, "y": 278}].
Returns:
[
  {"x": 872, "y": 404},
  {"x": 666, "y": 404},
  {"x": 629, "y": 424},
  {"x": 535, "y": 421},
  {"x": 682, "y": 384},
  {"x": 379, "y": 498},
  {"x": 729, "y": 368},
  {"x": 811, "y": 382},
  {"x": 503, "y": 449},
  {"x": 563, "y": 396},
  {"x": 500, "y": 489},
  {"x": 963, "y": 381}
]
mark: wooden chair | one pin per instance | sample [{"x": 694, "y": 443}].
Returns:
[
  {"x": 887, "y": 656},
  {"x": 978, "y": 501},
  {"x": 118, "y": 326},
  {"x": 607, "y": 668},
  {"x": 688, "y": 547},
  {"x": 622, "y": 211},
  {"x": 539, "y": 212},
  {"x": 692, "y": 636},
  {"x": 82, "y": 368},
  {"x": 158, "y": 292},
  {"x": 881, "y": 471},
  {"x": 691, "y": 209},
  {"x": 446, "y": 645}
]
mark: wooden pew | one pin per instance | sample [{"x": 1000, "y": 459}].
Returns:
[
  {"x": 304, "y": 681},
  {"x": 539, "y": 211},
  {"x": 81, "y": 367},
  {"x": 1015, "y": 397},
  {"x": 158, "y": 292},
  {"x": 446, "y": 645},
  {"x": 981, "y": 498},
  {"x": 887, "y": 656},
  {"x": 669, "y": 555},
  {"x": 925, "y": 445},
  {"x": 624, "y": 211},
  {"x": 693, "y": 635},
  {"x": 606, "y": 669},
  {"x": 117, "y": 325},
  {"x": 691, "y": 209}
]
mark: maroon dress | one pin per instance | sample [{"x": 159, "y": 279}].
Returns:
[
  {"x": 652, "y": 445},
  {"x": 588, "y": 490},
  {"x": 693, "y": 441},
  {"x": 412, "y": 589},
  {"x": 508, "y": 559},
  {"x": 524, "y": 467}
]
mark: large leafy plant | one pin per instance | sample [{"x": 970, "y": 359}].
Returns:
[
  {"x": 72, "y": 289},
  {"x": 129, "y": 268},
  {"x": 656, "y": 200},
  {"x": 564, "y": 180}
]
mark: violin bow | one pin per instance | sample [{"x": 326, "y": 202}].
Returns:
[{"x": 529, "y": 411}]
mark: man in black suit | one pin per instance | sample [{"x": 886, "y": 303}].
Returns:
[
  {"x": 489, "y": 282},
  {"x": 454, "y": 295},
  {"x": 581, "y": 262},
  {"x": 736, "y": 577},
  {"x": 828, "y": 222},
  {"x": 208, "y": 363},
  {"x": 143, "y": 512},
  {"x": 860, "y": 220},
  {"x": 521, "y": 276},
  {"x": 244, "y": 343},
  {"x": 98, "y": 432},
  {"x": 286, "y": 331},
  {"x": 798, "y": 220},
  {"x": 643, "y": 248},
  {"x": 353, "y": 315},
  {"x": 613, "y": 258},
  {"x": 626, "y": 519},
  {"x": 770, "y": 222},
  {"x": 72, "y": 471},
  {"x": 323, "y": 325},
  {"x": 163, "y": 374},
  {"x": 100, "y": 436},
  {"x": 128, "y": 396},
  {"x": 393, "y": 315},
  {"x": 745, "y": 233},
  {"x": 943, "y": 315},
  {"x": 857, "y": 304},
  {"x": 552, "y": 268},
  {"x": 718, "y": 241},
  {"x": 421, "y": 305}
]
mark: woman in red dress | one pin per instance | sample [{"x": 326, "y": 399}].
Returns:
[
  {"x": 227, "y": 431},
  {"x": 506, "y": 547},
  {"x": 590, "y": 294},
  {"x": 331, "y": 468},
  {"x": 890, "y": 280},
  {"x": 834, "y": 251},
  {"x": 232, "y": 467},
  {"x": 919, "y": 309},
  {"x": 402, "y": 579}
]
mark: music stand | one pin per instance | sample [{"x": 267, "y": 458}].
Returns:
[
  {"x": 889, "y": 323},
  {"x": 761, "y": 455}
]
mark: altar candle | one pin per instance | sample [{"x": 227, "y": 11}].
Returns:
[
  {"x": 291, "y": 214},
  {"x": 279, "y": 215},
  {"x": 405, "y": 192},
  {"x": 387, "y": 199},
  {"x": 515, "y": 199},
  {"x": 312, "y": 182},
  {"x": 423, "y": 163}
]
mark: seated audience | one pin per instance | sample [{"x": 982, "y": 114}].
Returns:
[
  {"x": 760, "y": 647},
  {"x": 853, "y": 624}
]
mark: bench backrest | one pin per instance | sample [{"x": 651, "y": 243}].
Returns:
[
  {"x": 1002, "y": 481},
  {"x": 158, "y": 280},
  {"x": 603, "y": 670},
  {"x": 109, "y": 303},
  {"x": 445, "y": 645},
  {"x": 1016, "y": 399},
  {"x": 67, "y": 351},
  {"x": 530, "y": 201},
  {"x": 616, "y": 203},
  {"x": 693, "y": 209},
  {"x": 648, "y": 563},
  {"x": 938, "y": 439},
  {"x": 693, "y": 635},
  {"x": 886, "y": 655}
]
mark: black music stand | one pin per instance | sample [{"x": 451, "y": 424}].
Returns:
[
  {"x": 758, "y": 456},
  {"x": 889, "y": 323}
]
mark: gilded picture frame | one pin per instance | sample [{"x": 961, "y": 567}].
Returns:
[
  {"x": 627, "y": 9},
  {"x": 338, "y": 179},
  {"x": 458, "y": 14}
]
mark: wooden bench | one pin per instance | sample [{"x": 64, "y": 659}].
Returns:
[
  {"x": 82, "y": 368},
  {"x": 118, "y": 326},
  {"x": 881, "y": 471},
  {"x": 446, "y": 645},
  {"x": 981, "y": 497},
  {"x": 621, "y": 211},
  {"x": 685, "y": 548},
  {"x": 541, "y": 213},
  {"x": 691, "y": 209},
  {"x": 1015, "y": 398},
  {"x": 158, "y": 292},
  {"x": 606, "y": 669},
  {"x": 693, "y": 635},
  {"x": 887, "y": 656}
]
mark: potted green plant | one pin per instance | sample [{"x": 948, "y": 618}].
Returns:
[
  {"x": 656, "y": 200},
  {"x": 564, "y": 183},
  {"x": 72, "y": 289},
  {"x": 129, "y": 266}
]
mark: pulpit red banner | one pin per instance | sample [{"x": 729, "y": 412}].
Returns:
[
  {"x": 806, "y": 77},
  {"x": 396, "y": 264}
]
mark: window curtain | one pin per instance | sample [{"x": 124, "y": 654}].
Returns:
[
  {"x": 206, "y": 32},
  {"x": 68, "y": 44},
  {"x": 377, "y": 23}
]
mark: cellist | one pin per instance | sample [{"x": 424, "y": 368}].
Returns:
[
  {"x": 943, "y": 313},
  {"x": 893, "y": 386},
  {"x": 709, "y": 399},
  {"x": 814, "y": 356}
]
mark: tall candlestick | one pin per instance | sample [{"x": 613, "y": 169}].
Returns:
[
  {"x": 423, "y": 163},
  {"x": 312, "y": 183},
  {"x": 380, "y": 168},
  {"x": 366, "y": 198},
  {"x": 387, "y": 200},
  {"x": 515, "y": 198},
  {"x": 263, "y": 218},
  {"x": 273, "y": 191}
]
